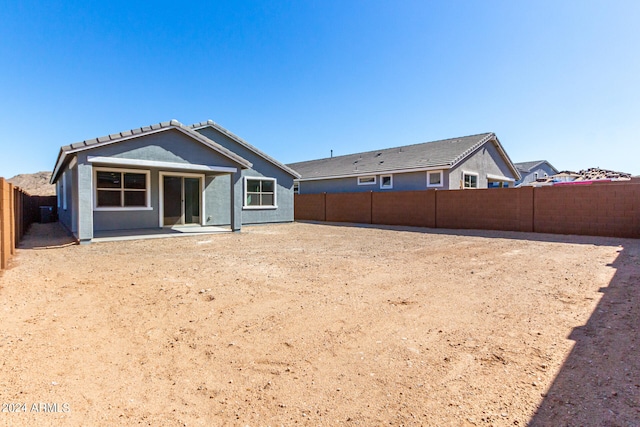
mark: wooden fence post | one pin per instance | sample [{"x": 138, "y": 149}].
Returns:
[
  {"x": 4, "y": 226},
  {"x": 12, "y": 220}
]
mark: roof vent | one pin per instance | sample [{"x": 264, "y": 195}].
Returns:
[{"x": 378, "y": 155}]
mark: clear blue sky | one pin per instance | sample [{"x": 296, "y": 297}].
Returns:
[{"x": 556, "y": 80}]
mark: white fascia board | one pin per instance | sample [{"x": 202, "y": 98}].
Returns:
[
  {"x": 387, "y": 172},
  {"x": 500, "y": 178},
  {"x": 56, "y": 169},
  {"x": 116, "y": 161}
]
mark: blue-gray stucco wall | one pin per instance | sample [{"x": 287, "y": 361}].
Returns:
[
  {"x": 485, "y": 160},
  {"x": 170, "y": 146},
  {"x": 401, "y": 182},
  {"x": 261, "y": 168},
  {"x": 65, "y": 193}
]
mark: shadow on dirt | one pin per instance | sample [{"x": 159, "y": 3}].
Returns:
[
  {"x": 599, "y": 383},
  {"x": 46, "y": 236}
]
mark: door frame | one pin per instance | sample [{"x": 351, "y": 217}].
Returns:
[{"x": 161, "y": 176}]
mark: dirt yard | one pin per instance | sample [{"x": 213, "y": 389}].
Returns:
[{"x": 322, "y": 325}]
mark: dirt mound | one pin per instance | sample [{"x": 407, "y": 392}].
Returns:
[{"x": 36, "y": 184}]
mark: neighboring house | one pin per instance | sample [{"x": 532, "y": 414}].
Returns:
[
  {"x": 584, "y": 176},
  {"x": 532, "y": 171},
  {"x": 477, "y": 161},
  {"x": 166, "y": 175}
]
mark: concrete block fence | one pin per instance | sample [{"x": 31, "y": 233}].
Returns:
[
  {"x": 599, "y": 209},
  {"x": 18, "y": 210}
]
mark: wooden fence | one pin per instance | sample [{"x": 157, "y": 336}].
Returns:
[
  {"x": 611, "y": 209},
  {"x": 18, "y": 210}
]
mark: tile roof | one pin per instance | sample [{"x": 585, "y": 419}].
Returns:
[
  {"x": 116, "y": 137},
  {"x": 527, "y": 167},
  {"x": 242, "y": 142},
  {"x": 443, "y": 153}
]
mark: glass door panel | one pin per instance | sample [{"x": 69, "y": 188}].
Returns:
[
  {"x": 172, "y": 200},
  {"x": 192, "y": 200}
]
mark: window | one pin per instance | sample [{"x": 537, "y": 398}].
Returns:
[
  {"x": 434, "y": 179},
  {"x": 122, "y": 189},
  {"x": 386, "y": 181},
  {"x": 259, "y": 193},
  {"x": 296, "y": 188},
  {"x": 470, "y": 180},
  {"x": 366, "y": 180},
  {"x": 497, "y": 184}
]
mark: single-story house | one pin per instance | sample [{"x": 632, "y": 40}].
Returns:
[
  {"x": 168, "y": 175},
  {"x": 476, "y": 161},
  {"x": 534, "y": 170}
]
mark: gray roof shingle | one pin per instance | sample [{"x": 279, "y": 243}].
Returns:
[
  {"x": 527, "y": 167},
  {"x": 443, "y": 153}
]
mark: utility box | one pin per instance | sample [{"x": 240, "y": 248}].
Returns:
[{"x": 46, "y": 214}]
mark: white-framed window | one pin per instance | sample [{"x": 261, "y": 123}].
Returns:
[
  {"x": 296, "y": 188},
  {"x": 367, "y": 180},
  {"x": 122, "y": 189},
  {"x": 470, "y": 180},
  {"x": 386, "y": 182},
  {"x": 434, "y": 179},
  {"x": 260, "y": 193}
]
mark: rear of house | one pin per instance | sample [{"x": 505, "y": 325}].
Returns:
[{"x": 169, "y": 175}]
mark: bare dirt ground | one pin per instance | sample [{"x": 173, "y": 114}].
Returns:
[{"x": 322, "y": 325}]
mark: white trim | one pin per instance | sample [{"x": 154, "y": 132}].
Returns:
[
  {"x": 477, "y": 175},
  {"x": 441, "y": 184},
  {"x": 431, "y": 168},
  {"x": 158, "y": 164},
  {"x": 386, "y": 187},
  {"x": 259, "y": 207},
  {"x": 499, "y": 178},
  {"x": 94, "y": 186},
  {"x": 161, "y": 176},
  {"x": 367, "y": 177},
  {"x": 260, "y": 178}
]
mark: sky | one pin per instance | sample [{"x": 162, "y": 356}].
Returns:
[{"x": 556, "y": 80}]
